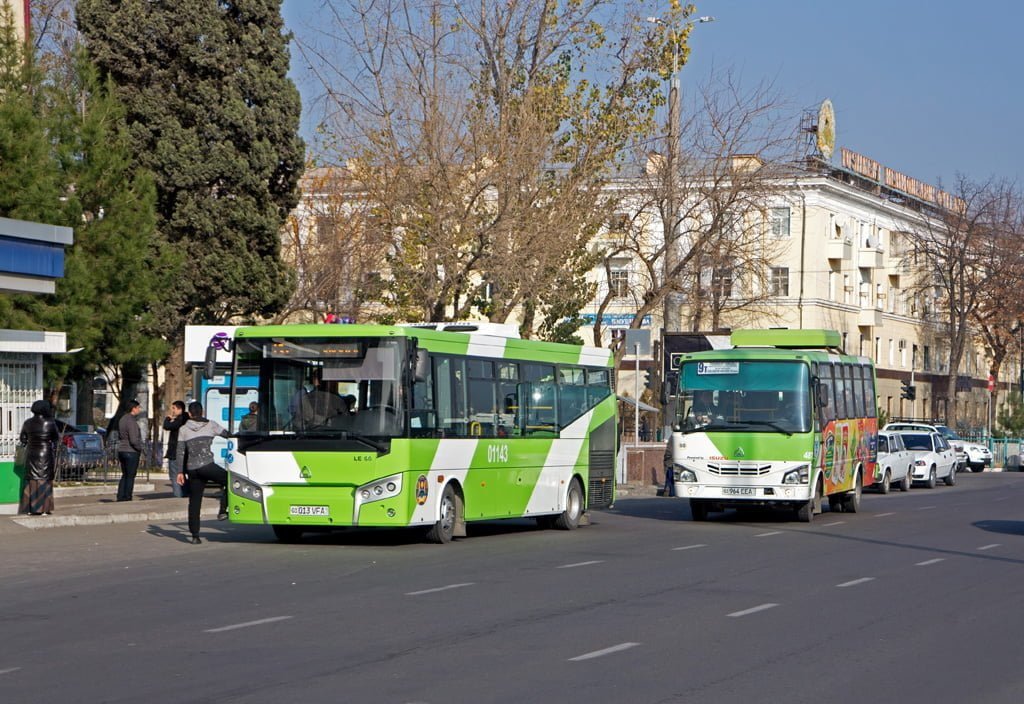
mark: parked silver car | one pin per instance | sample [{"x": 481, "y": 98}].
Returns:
[{"x": 78, "y": 451}]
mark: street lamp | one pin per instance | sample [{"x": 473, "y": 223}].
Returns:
[{"x": 671, "y": 321}]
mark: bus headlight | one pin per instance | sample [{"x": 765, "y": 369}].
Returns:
[
  {"x": 381, "y": 489},
  {"x": 685, "y": 475},
  {"x": 800, "y": 475},
  {"x": 246, "y": 489}
]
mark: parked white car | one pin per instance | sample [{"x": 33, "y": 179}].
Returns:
[
  {"x": 978, "y": 456},
  {"x": 955, "y": 441},
  {"x": 895, "y": 463},
  {"x": 934, "y": 459}
]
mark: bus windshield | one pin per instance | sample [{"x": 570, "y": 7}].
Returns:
[
  {"x": 325, "y": 387},
  {"x": 749, "y": 395}
]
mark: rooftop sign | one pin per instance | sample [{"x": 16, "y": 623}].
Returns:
[{"x": 890, "y": 178}]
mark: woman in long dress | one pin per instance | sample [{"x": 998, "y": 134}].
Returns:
[{"x": 40, "y": 437}]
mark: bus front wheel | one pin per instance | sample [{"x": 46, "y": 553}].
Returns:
[
  {"x": 569, "y": 519},
  {"x": 288, "y": 534},
  {"x": 805, "y": 512},
  {"x": 443, "y": 531},
  {"x": 699, "y": 509}
]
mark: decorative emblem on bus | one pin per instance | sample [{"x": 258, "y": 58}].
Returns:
[
  {"x": 739, "y": 452},
  {"x": 422, "y": 489},
  {"x": 305, "y": 473}
]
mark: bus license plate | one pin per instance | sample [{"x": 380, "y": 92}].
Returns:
[
  {"x": 739, "y": 491},
  {"x": 310, "y": 511}
]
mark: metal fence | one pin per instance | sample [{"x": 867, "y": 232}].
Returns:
[{"x": 108, "y": 470}]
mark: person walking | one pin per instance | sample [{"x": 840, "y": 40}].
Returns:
[
  {"x": 40, "y": 437},
  {"x": 197, "y": 437},
  {"x": 173, "y": 421},
  {"x": 129, "y": 449}
]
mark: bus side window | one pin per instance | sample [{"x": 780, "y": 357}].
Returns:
[{"x": 827, "y": 413}]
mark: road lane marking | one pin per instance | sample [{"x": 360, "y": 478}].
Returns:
[
  {"x": 882, "y": 515},
  {"x": 441, "y": 589},
  {"x": 924, "y": 508},
  {"x": 989, "y": 547},
  {"x": 747, "y": 612},
  {"x": 765, "y": 535},
  {"x": 579, "y": 564},
  {"x": 9, "y": 670},
  {"x": 854, "y": 582},
  {"x": 930, "y": 562},
  {"x": 833, "y": 523},
  {"x": 605, "y": 651},
  {"x": 235, "y": 626},
  {"x": 691, "y": 547}
]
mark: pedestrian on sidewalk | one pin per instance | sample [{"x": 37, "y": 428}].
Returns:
[
  {"x": 173, "y": 421},
  {"x": 129, "y": 449},
  {"x": 197, "y": 437},
  {"x": 40, "y": 437}
]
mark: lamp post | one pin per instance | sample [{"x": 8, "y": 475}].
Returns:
[{"x": 671, "y": 317}]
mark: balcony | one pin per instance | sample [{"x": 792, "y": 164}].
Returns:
[
  {"x": 839, "y": 248},
  {"x": 869, "y": 317},
  {"x": 870, "y": 258}
]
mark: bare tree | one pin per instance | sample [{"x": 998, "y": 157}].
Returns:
[
  {"x": 485, "y": 134},
  {"x": 956, "y": 246},
  {"x": 332, "y": 247},
  {"x": 1000, "y": 314},
  {"x": 702, "y": 231}
]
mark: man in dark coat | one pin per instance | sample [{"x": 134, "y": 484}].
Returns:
[
  {"x": 129, "y": 449},
  {"x": 40, "y": 437}
]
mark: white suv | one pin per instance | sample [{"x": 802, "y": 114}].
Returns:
[{"x": 955, "y": 441}]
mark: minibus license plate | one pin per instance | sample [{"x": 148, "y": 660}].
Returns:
[
  {"x": 310, "y": 511},
  {"x": 739, "y": 491}
]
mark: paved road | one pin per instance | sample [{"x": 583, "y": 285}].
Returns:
[{"x": 918, "y": 598}]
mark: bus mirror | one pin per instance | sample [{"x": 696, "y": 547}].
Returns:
[
  {"x": 422, "y": 366},
  {"x": 822, "y": 395},
  {"x": 210, "y": 363},
  {"x": 669, "y": 387}
]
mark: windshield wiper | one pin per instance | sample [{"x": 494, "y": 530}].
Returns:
[
  {"x": 770, "y": 424},
  {"x": 380, "y": 447}
]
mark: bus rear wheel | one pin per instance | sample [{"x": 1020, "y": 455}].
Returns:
[
  {"x": 569, "y": 519},
  {"x": 443, "y": 531},
  {"x": 288, "y": 534},
  {"x": 851, "y": 502}
]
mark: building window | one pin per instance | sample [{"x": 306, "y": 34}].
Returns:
[
  {"x": 618, "y": 282},
  {"x": 780, "y": 281},
  {"x": 327, "y": 227},
  {"x": 779, "y": 222},
  {"x": 721, "y": 283}
]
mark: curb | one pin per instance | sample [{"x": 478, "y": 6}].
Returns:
[
  {"x": 65, "y": 491},
  {"x": 39, "y": 522}
]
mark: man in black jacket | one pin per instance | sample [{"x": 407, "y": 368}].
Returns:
[{"x": 175, "y": 418}]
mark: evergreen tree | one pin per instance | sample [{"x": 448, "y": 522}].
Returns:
[{"x": 212, "y": 113}]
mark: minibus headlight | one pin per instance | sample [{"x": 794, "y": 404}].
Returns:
[
  {"x": 685, "y": 475},
  {"x": 800, "y": 475}
]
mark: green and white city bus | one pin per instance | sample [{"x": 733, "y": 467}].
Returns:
[
  {"x": 783, "y": 418},
  {"x": 397, "y": 426}
]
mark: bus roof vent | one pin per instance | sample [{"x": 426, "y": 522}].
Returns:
[
  {"x": 482, "y": 327},
  {"x": 791, "y": 339}
]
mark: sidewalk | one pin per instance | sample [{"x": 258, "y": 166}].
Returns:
[{"x": 93, "y": 505}]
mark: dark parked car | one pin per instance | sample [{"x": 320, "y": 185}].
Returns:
[{"x": 78, "y": 451}]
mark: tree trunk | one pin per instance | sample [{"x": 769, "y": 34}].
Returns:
[{"x": 174, "y": 372}]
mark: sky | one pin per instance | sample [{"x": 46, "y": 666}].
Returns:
[{"x": 930, "y": 88}]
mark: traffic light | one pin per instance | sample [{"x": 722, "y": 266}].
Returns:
[
  {"x": 908, "y": 391},
  {"x": 648, "y": 382}
]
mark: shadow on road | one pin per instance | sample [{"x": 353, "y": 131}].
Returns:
[{"x": 1004, "y": 527}]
